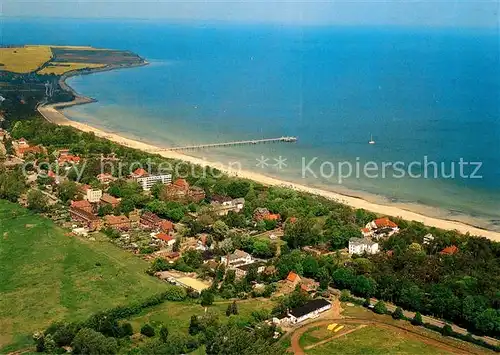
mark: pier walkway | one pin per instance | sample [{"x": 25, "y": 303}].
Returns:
[{"x": 283, "y": 139}]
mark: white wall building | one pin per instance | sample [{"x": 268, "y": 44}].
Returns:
[
  {"x": 93, "y": 195},
  {"x": 238, "y": 257},
  {"x": 361, "y": 245},
  {"x": 147, "y": 182},
  {"x": 311, "y": 309}
]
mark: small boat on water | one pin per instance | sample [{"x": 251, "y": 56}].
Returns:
[{"x": 371, "y": 140}]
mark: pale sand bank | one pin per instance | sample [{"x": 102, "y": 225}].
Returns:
[{"x": 53, "y": 115}]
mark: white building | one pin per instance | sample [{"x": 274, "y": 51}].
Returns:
[
  {"x": 242, "y": 270},
  {"x": 361, "y": 245},
  {"x": 93, "y": 195},
  {"x": 381, "y": 227},
  {"x": 238, "y": 257},
  {"x": 147, "y": 182},
  {"x": 222, "y": 208},
  {"x": 310, "y": 310},
  {"x": 428, "y": 238}
]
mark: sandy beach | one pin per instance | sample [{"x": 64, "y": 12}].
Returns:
[{"x": 52, "y": 114}]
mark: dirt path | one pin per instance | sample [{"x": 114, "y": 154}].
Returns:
[{"x": 297, "y": 350}]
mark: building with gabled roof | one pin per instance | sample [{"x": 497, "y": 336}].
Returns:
[
  {"x": 91, "y": 221},
  {"x": 140, "y": 172},
  {"x": 107, "y": 199},
  {"x": 311, "y": 309},
  {"x": 117, "y": 222},
  {"x": 451, "y": 250},
  {"x": 381, "y": 227},
  {"x": 105, "y": 178},
  {"x": 150, "y": 220},
  {"x": 165, "y": 238},
  {"x": 83, "y": 205},
  {"x": 238, "y": 257}
]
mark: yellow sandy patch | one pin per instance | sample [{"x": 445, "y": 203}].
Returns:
[
  {"x": 331, "y": 326},
  {"x": 193, "y": 283},
  {"x": 338, "y": 329},
  {"x": 61, "y": 68},
  {"x": 24, "y": 59}
]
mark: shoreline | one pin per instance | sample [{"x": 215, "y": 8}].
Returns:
[
  {"x": 53, "y": 114},
  {"x": 352, "y": 201}
]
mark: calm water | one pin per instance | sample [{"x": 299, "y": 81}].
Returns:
[{"x": 433, "y": 93}]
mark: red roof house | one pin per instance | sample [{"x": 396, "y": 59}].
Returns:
[
  {"x": 385, "y": 223},
  {"x": 164, "y": 237},
  {"x": 166, "y": 226},
  {"x": 292, "y": 277},
  {"x": 139, "y": 173},
  {"x": 83, "y": 205},
  {"x": 451, "y": 250},
  {"x": 182, "y": 183}
]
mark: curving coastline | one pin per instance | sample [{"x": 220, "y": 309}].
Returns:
[
  {"x": 52, "y": 113},
  {"x": 80, "y": 99}
]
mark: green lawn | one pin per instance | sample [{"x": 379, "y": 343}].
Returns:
[
  {"x": 375, "y": 341},
  {"x": 48, "y": 276},
  {"x": 177, "y": 315}
]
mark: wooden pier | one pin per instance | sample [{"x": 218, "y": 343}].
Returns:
[{"x": 233, "y": 144}]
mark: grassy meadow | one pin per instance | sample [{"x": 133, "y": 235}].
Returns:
[
  {"x": 24, "y": 59},
  {"x": 61, "y": 68},
  {"x": 176, "y": 316},
  {"x": 374, "y": 341},
  {"x": 48, "y": 276}
]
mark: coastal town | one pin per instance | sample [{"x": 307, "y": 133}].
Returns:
[
  {"x": 210, "y": 241},
  {"x": 117, "y": 248}
]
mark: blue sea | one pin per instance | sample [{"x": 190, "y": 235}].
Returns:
[{"x": 423, "y": 95}]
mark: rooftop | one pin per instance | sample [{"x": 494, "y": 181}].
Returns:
[
  {"x": 309, "y": 307},
  {"x": 245, "y": 267},
  {"x": 292, "y": 276},
  {"x": 163, "y": 236},
  {"x": 452, "y": 249},
  {"x": 107, "y": 198},
  {"x": 140, "y": 172},
  {"x": 83, "y": 204},
  {"x": 385, "y": 223},
  {"x": 112, "y": 220}
]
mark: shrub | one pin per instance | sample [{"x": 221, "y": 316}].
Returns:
[
  {"x": 148, "y": 330},
  {"x": 398, "y": 313},
  {"x": 380, "y": 308},
  {"x": 446, "y": 330},
  {"x": 164, "y": 333},
  {"x": 88, "y": 341},
  {"x": 417, "y": 320},
  {"x": 127, "y": 329},
  {"x": 207, "y": 298}
]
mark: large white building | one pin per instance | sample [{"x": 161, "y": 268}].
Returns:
[
  {"x": 92, "y": 195},
  {"x": 238, "y": 257},
  {"x": 310, "y": 310},
  {"x": 147, "y": 182},
  {"x": 361, "y": 245}
]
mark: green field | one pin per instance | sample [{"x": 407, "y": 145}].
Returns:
[
  {"x": 375, "y": 341},
  {"x": 47, "y": 276},
  {"x": 176, "y": 316}
]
